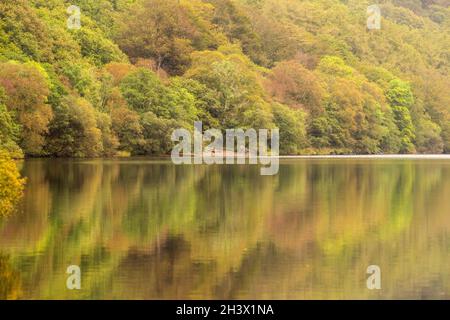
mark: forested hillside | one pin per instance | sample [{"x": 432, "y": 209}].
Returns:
[{"x": 136, "y": 70}]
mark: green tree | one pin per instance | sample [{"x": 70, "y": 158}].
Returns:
[
  {"x": 126, "y": 125},
  {"x": 157, "y": 132},
  {"x": 75, "y": 132},
  {"x": 237, "y": 86},
  {"x": 144, "y": 92},
  {"x": 109, "y": 140},
  {"x": 9, "y": 130},
  {"x": 401, "y": 99},
  {"x": 292, "y": 127}
]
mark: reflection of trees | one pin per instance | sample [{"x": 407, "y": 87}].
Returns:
[
  {"x": 159, "y": 273},
  {"x": 29, "y": 226},
  {"x": 154, "y": 230},
  {"x": 393, "y": 214},
  {"x": 9, "y": 279}
]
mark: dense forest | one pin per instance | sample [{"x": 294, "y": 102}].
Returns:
[{"x": 137, "y": 69}]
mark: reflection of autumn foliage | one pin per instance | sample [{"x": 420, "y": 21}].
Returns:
[
  {"x": 11, "y": 186},
  {"x": 9, "y": 280},
  {"x": 150, "y": 230}
]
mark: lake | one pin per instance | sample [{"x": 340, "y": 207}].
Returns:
[{"x": 147, "y": 229}]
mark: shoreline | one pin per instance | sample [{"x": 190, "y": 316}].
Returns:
[
  {"x": 391, "y": 156},
  {"x": 285, "y": 157}
]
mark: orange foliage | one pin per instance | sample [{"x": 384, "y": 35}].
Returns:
[{"x": 27, "y": 90}]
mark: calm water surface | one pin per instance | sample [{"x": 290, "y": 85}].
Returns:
[{"x": 142, "y": 229}]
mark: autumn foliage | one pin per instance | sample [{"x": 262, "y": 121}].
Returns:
[{"x": 137, "y": 69}]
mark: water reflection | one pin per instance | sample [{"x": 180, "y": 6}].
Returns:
[{"x": 151, "y": 230}]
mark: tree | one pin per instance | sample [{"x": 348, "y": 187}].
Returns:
[
  {"x": 291, "y": 83},
  {"x": 238, "y": 27},
  {"x": 429, "y": 138},
  {"x": 126, "y": 125},
  {"x": 11, "y": 185},
  {"x": 401, "y": 99},
  {"x": 75, "y": 132},
  {"x": 119, "y": 71},
  {"x": 24, "y": 34},
  {"x": 237, "y": 86},
  {"x": 83, "y": 80},
  {"x": 27, "y": 89},
  {"x": 205, "y": 100},
  {"x": 109, "y": 140},
  {"x": 186, "y": 60},
  {"x": 292, "y": 127},
  {"x": 144, "y": 92},
  {"x": 9, "y": 130},
  {"x": 166, "y": 31},
  {"x": 98, "y": 49},
  {"x": 157, "y": 132}
]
